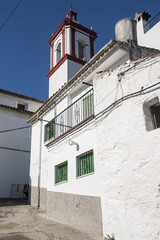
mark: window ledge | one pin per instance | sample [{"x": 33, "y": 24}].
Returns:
[
  {"x": 59, "y": 183},
  {"x": 85, "y": 175}
]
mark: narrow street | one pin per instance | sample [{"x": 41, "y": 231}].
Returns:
[{"x": 20, "y": 221}]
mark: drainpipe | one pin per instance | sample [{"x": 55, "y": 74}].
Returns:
[{"x": 39, "y": 170}]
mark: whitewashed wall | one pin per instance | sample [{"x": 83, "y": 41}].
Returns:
[
  {"x": 12, "y": 101},
  {"x": 58, "y": 78},
  {"x": 14, "y": 164},
  {"x": 151, "y": 37},
  {"x": 61, "y": 152},
  {"x": 128, "y": 154},
  {"x": 85, "y": 185},
  {"x": 14, "y": 145},
  {"x": 62, "y": 75}
]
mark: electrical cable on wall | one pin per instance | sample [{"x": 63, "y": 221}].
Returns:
[
  {"x": 14, "y": 129},
  {"x": 108, "y": 110},
  {"x": 14, "y": 149}
]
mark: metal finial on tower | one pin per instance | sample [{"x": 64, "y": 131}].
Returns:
[{"x": 71, "y": 5}]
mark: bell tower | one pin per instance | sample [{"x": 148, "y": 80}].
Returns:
[{"x": 71, "y": 46}]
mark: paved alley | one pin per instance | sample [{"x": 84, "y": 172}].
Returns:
[{"x": 20, "y": 221}]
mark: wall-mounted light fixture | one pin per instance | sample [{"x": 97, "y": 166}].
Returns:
[{"x": 71, "y": 143}]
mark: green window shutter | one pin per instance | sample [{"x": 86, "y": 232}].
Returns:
[
  {"x": 49, "y": 130},
  {"x": 61, "y": 172},
  {"x": 46, "y": 132},
  {"x": 88, "y": 107},
  {"x": 52, "y": 129},
  {"x": 85, "y": 163}
]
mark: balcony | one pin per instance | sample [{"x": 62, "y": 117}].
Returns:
[
  {"x": 72, "y": 116},
  {"x": 152, "y": 22}
]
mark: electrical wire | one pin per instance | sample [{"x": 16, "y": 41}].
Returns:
[
  {"x": 14, "y": 149},
  {"x": 108, "y": 110},
  {"x": 14, "y": 129},
  {"x": 134, "y": 94},
  {"x": 10, "y": 15}
]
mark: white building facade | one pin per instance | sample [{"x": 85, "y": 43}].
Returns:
[
  {"x": 83, "y": 140},
  {"x": 15, "y": 139},
  {"x": 148, "y": 33}
]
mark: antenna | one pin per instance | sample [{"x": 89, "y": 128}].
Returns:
[{"x": 71, "y": 5}]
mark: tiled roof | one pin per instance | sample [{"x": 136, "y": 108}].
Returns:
[
  {"x": 15, "y": 109},
  {"x": 21, "y": 96}
]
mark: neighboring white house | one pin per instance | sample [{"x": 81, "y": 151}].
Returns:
[
  {"x": 148, "y": 33},
  {"x": 15, "y": 139},
  {"x": 95, "y": 148}
]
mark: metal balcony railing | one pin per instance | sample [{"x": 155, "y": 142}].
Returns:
[
  {"x": 71, "y": 116},
  {"x": 152, "y": 22}
]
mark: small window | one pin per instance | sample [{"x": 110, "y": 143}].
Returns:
[
  {"x": 61, "y": 172},
  {"x": 85, "y": 163},
  {"x": 155, "y": 113},
  {"x": 21, "y": 106},
  {"x": 49, "y": 130},
  {"x": 58, "y": 50}
]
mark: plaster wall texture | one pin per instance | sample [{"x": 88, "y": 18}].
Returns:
[
  {"x": 34, "y": 196},
  {"x": 151, "y": 37},
  {"x": 82, "y": 212},
  {"x": 12, "y": 101},
  {"x": 128, "y": 154},
  {"x": 43, "y": 198}
]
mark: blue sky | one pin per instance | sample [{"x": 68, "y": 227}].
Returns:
[{"x": 24, "y": 47}]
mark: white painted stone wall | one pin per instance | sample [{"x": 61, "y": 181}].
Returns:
[{"x": 128, "y": 154}]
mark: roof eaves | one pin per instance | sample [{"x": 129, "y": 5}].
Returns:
[
  {"x": 20, "y": 96},
  {"x": 15, "y": 109}
]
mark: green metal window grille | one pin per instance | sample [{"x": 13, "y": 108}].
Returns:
[
  {"x": 88, "y": 108},
  {"x": 61, "y": 172},
  {"x": 85, "y": 163},
  {"x": 49, "y": 130}
]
